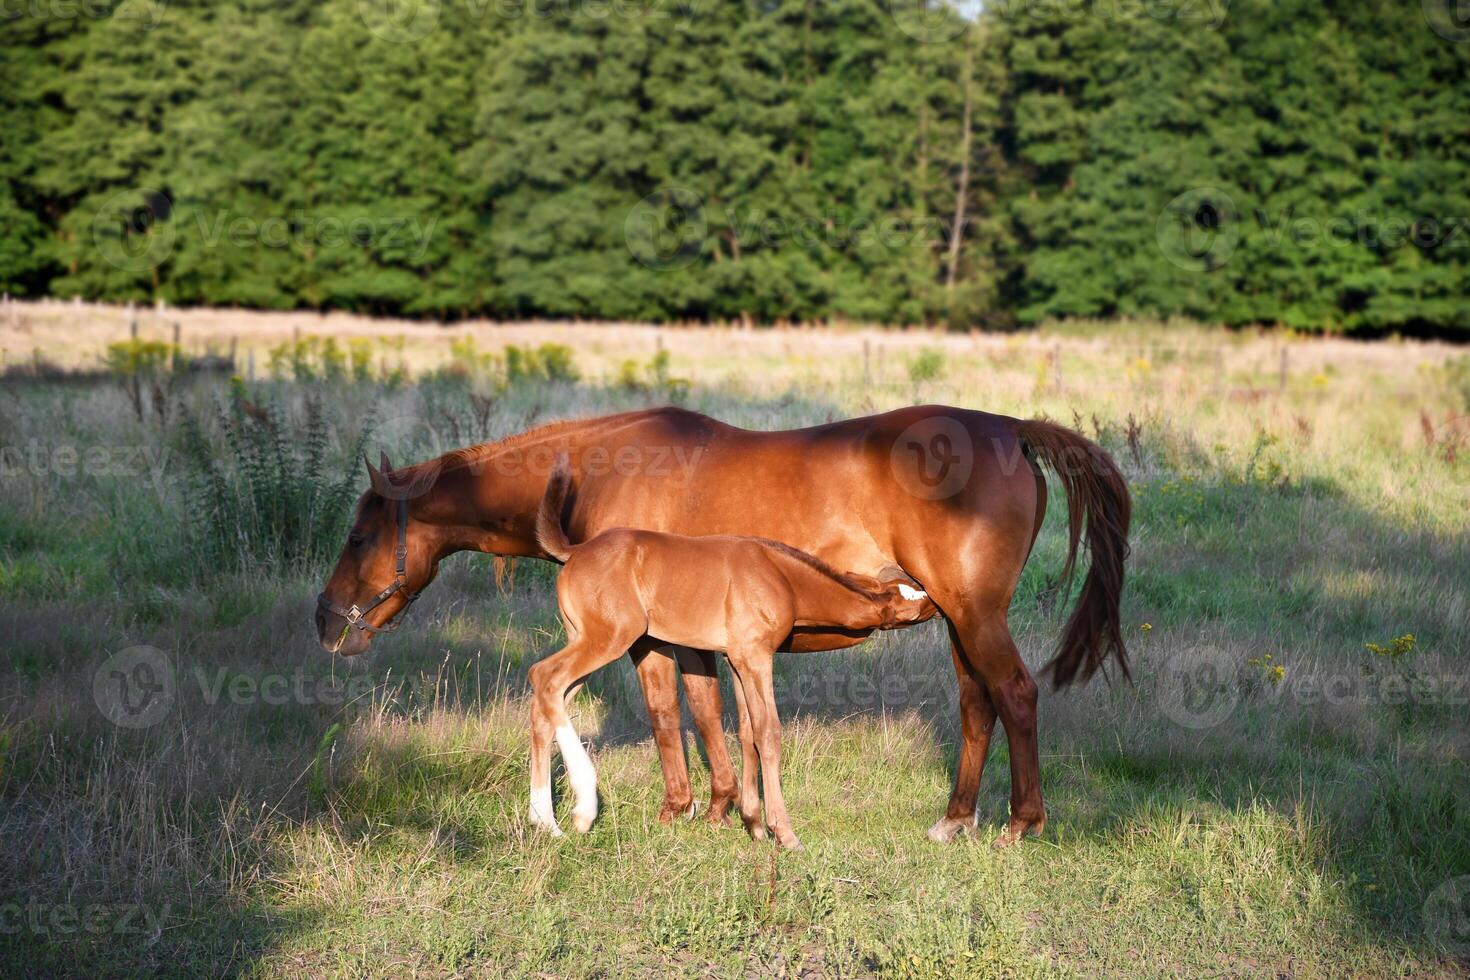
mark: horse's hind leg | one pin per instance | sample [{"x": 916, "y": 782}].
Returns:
[
  {"x": 702, "y": 688},
  {"x": 977, "y": 721},
  {"x": 984, "y": 639}
]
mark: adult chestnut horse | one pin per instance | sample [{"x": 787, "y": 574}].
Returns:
[{"x": 953, "y": 497}]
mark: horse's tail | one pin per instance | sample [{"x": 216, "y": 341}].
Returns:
[
  {"x": 1097, "y": 494},
  {"x": 550, "y": 535}
]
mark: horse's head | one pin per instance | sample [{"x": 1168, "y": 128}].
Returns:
[{"x": 389, "y": 557}]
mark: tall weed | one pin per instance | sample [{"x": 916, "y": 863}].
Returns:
[{"x": 269, "y": 489}]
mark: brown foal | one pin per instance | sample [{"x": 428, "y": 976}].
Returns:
[{"x": 740, "y": 595}]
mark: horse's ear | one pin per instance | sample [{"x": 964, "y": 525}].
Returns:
[
  {"x": 384, "y": 464},
  {"x": 392, "y": 486},
  {"x": 378, "y": 479}
]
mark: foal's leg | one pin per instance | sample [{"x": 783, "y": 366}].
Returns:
[
  {"x": 702, "y": 689},
  {"x": 753, "y": 665},
  {"x": 543, "y": 726},
  {"x": 550, "y": 679},
  {"x": 750, "y": 793}
]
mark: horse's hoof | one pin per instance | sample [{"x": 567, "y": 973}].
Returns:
[
  {"x": 790, "y": 842},
  {"x": 581, "y": 823},
  {"x": 719, "y": 809},
  {"x": 947, "y": 828},
  {"x": 757, "y": 832},
  {"x": 671, "y": 810},
  {"x": 1017, "y": 829}
]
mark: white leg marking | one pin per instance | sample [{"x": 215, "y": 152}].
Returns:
[
  {"x": 541, "y": 813},
  {"x": 581, "y": 775}
]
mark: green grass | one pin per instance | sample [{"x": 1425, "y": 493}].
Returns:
[{"x": 292, "y": 816}]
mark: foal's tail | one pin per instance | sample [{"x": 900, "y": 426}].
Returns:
[
  {"x": 1098, "y": 495},
  {"x": 549, "y": 533}
]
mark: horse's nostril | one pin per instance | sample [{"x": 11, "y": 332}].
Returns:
[{"x": 321, "y": 624}]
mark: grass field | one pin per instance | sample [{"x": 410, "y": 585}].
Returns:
[{"x": 1273, "y": 796}]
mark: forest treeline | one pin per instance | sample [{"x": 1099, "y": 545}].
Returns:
[{"x": 1299, "y": 162}]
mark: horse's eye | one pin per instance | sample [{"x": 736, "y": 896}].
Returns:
[{"x": 355, "y": 539}]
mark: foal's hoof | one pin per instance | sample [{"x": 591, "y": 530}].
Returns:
[
  {"x": 581, "y": 824},
  {"x": 1017, "y": 829},
  {"x": 789, "y": 842},
  {"x": 946, "y": 829},
  {"x": 756, "y": 830}
]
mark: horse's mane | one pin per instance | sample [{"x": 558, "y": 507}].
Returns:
[
  {"x": 474, "y": 454},
  {"x": 470, "y": 455},
  {"x": 817, "y": 565}
]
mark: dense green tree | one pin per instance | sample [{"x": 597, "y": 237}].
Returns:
[
  {"x": 1267, "y": 171},
  {"x": 1276, "y": 161}
]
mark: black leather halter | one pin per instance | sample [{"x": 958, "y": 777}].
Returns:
[{"x": 354, "y": 615}]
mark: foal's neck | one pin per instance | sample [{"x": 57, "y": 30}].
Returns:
[{"x": 823, "y": 600}]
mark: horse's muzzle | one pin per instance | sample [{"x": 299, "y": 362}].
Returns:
[{"x": 337, "y": 635}]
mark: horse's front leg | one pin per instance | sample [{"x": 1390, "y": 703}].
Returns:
[
  {"x": 702, "y": 688},
  {"x": 657, "y": 678}
]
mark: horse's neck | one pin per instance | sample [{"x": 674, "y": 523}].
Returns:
[{"x": 490, "y": 503}]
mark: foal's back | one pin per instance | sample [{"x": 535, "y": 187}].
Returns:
[{"x": 693, "y": 591}]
